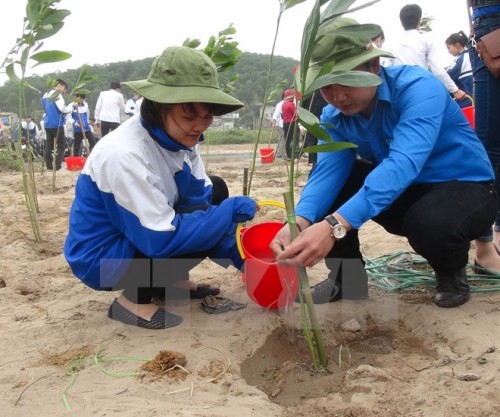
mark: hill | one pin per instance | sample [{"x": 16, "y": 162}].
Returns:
[{"x": 251, "y": 68}]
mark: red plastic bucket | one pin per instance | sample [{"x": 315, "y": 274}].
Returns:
[
  {"x": 75, "y": 163},
  {"x": 266, "y": 155},
  {"x": 470, "y": 113},
  {"x": 268, "y": 283}
]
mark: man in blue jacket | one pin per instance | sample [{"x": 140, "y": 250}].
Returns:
[
  {"x": 54, "y": 120},
  {"x": 419, "y": 170}
]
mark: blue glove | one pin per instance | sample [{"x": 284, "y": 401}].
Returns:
[{"x": 244, "y": 208}]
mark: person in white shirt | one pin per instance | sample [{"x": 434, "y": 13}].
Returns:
[
  {"x": 416, "y": 48},
  {"x": 131, "y": 104},
  {"x": 109, "y": 108},
  {"x": 278, "y": 125},
  {"x": 138, "y": 105}
]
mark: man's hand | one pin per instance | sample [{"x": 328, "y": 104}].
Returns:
[{"x": 307, "y": 249}]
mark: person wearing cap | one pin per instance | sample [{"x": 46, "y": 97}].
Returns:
[
  {"x": 418, "y": 170},
  {"x": 54, "y": 121},
  {"x": 145, "y": 211}
]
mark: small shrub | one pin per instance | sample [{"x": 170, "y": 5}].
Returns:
[{"x": 8, "y": 159}]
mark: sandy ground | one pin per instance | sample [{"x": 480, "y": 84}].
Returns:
[{"x": 395, "y": 354}]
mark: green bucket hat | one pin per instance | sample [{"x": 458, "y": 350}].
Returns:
[
  {"x": 342, "y": 45},
  {"x": 184, "y": 75}
]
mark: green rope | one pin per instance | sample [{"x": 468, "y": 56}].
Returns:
[{"x": 405, "y": 271}]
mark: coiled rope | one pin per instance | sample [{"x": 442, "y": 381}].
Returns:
[{"x": 407, "y": 271}]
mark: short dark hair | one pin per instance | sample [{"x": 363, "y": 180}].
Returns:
[
  {"x": 380, "y": 35},
  {"x": 79, "y": 95},
  {"x": 62, "y": 82},
  {"x": 410, "y": 16},
  {"x": 115, "y": 85}
]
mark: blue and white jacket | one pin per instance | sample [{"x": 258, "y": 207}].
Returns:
[
  {"x": 55, "y": 110},
  {"x": 461, "y": 73},
  {"x": 81, "y": 117},
  {"x": 128, "y": 196}
]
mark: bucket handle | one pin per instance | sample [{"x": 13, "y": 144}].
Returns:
[
  {"x": 239, "y": 226},
  {"x": 470, "y": 98}
]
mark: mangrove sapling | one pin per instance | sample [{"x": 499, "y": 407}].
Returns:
[
  {"x": 42, "y": 20},
  {"x": 311, "y": 35}
]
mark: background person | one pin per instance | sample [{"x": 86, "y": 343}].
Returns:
[
  {"x": 415, "y": 48},
  {"x": 289, "y": 115},
  {"x": 81, "y": 125},
  {"x": 145, "y": 211},
  {"x": 109, "y": 108},
  {"x": 130, "y": 105},
  {"x": 277, "y": 124},
  {"x": 54, "y": 121},
  {"x": 485, "y": 18},
  {"x": 460, "y": 70}
]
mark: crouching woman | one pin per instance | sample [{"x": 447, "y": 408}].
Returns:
[{"x": 145, "y": 211}]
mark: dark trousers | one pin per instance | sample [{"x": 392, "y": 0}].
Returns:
[
  {"x": 487, "y": 102},
  {"x": 107, "y": 127},
  {"x": 289, "y": 133},
  {"x": 439, "y": 220},
  {"x": 146, "y": 278},
  {"x": 54, "y": 147},
  {"x": 77, "y": 144}
]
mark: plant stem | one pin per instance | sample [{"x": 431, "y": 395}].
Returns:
[{"x": 306, "y": 296}]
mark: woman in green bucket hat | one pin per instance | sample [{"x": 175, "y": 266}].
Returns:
[{"x": 145, "y": 211}]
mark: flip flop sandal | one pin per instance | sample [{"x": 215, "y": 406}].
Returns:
[
  {"x": 202, "y": 290},
  {"x": 161, "y": 319},
  {"x": 218, "y": 305}
]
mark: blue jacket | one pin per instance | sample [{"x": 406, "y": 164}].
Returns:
[
  {"x": 83, "y": 111},
  {"x": 416, "y": 134},
  {"x": 55, "y": 110},
  {"x": 461, "y": 73},
  {"x": 130, "y": 196}
]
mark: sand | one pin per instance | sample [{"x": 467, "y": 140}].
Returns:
[{"x": 395, "y": 354}]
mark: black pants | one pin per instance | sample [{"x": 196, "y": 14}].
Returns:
[
  {"x": 439, "y": 220},
  {"x": 107, "y": 127},
  {"x": 146, "y": 278},
  {"x": 77, "y": 144},
  {"x": 54, "y": 147},
  {"x": 289, "y": 133}
]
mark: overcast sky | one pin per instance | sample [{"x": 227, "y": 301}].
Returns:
[{"x": 105, "y": 31}]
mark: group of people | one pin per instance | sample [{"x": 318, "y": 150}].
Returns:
[
  {"x": 110, "y": 112},
  {"x": 146, "y": 212}
]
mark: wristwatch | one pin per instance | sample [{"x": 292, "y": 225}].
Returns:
[{"x": 338, "y": 231}]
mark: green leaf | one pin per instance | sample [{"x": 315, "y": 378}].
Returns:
[
  {"x": 330, "y": 147},
  {"x": 9, "y": 70},
  {"x": 50, "y": 56},
  {"x": 55, "y": 16},
  {"x": 288, "y": 4},
  {"x": 47, "y": 31},
  {"x": 275, "y": 94},
  {"x": 191, "y": 43},
  {"x": 312, "y": 124}
]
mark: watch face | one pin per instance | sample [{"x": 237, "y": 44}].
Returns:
[{"x": 339, "y": 231}]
